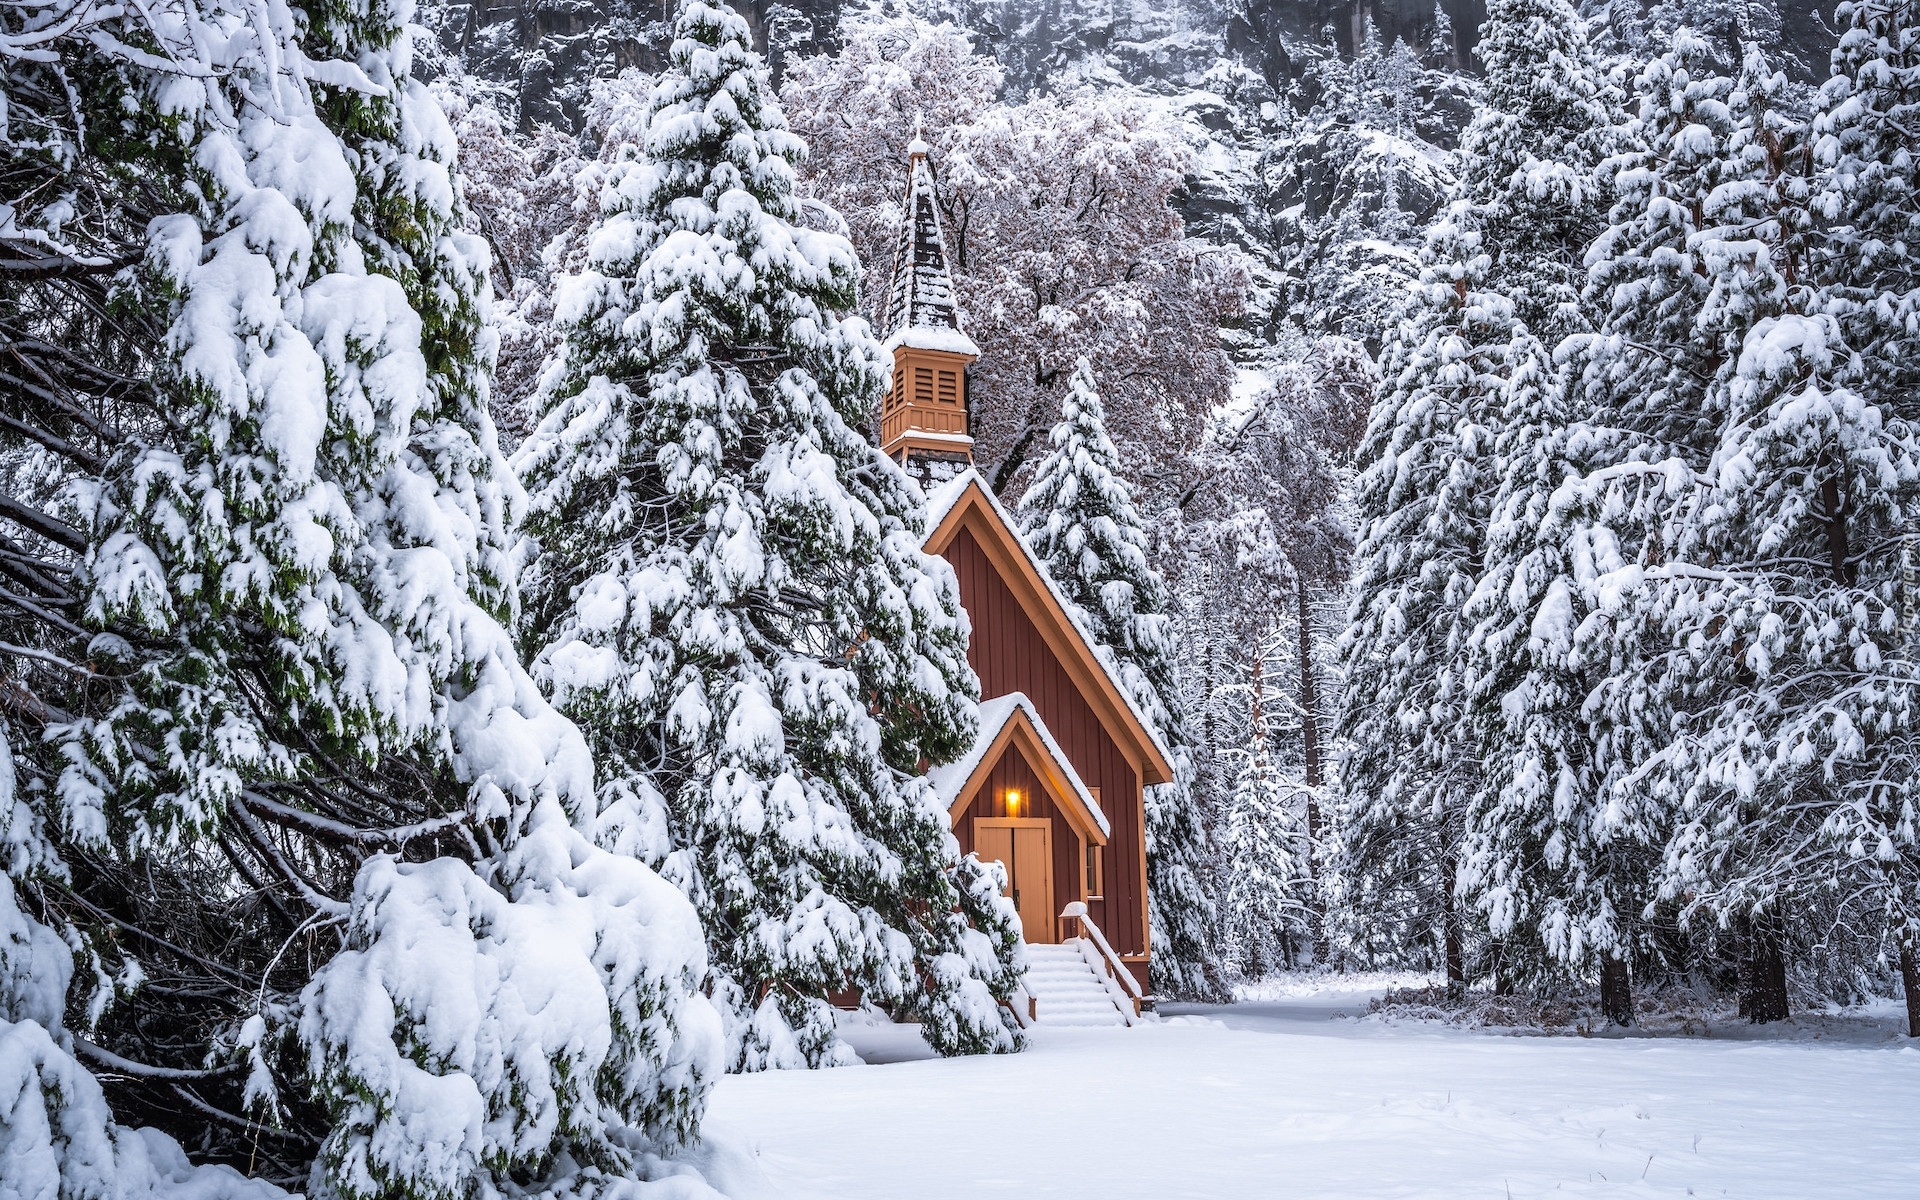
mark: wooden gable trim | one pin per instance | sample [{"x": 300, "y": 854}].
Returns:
[
  {"x": 975, "y": 512},
  {"x": 1019, "y": 731}
]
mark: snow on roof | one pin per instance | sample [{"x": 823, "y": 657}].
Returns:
[
  {"x": 931, "y": 337},
  {"x": 942, "y": 500},
  {"x": 948, "y": 781}
]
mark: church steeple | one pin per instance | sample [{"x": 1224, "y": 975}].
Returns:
[{"x": 923, "y": 422}]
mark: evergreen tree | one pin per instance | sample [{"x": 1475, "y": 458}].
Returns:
[
  {"x": 730, "y": 594},
  {"x": 1699, "y": 253},
  {"x": 1264, "y": 861},
  {"x": 1558, "y": 861},
  {"x": 1443, "y": 49},
  {"x": 1869, "y": 189},
  {"x": 1531, "y": 157},
  {"x": 1080, "y": 519},
  {"x": 1500, "y": 275},
  {"x": 1558, "y": 857},
  {"x": 1423, "y": 499},
  {"x": 291, "y": 581},
  {"x": 1727, "y": 28}
]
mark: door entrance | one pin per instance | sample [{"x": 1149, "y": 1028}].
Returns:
[{"x": 1024, "y": 847}]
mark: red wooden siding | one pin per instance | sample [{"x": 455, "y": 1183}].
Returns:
[
  {"x": 1009, "y": 655},
  {"x": 1014, "y": 772}
]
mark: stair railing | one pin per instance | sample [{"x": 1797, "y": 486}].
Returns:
[
  {"x": 1116, "y": 970},
  {"x": 1023, "y": 1006}
]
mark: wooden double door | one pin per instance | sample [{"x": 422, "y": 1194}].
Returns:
[{"x": 1024, "y": 847}]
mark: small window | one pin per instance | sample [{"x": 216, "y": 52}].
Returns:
[
  {"x": 1093, "y": 871},
  {"x": 923, "y": 385},
  {"x": 949, "y": 387}
]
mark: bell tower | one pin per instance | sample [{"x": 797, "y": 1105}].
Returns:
[{"x": 923, "y": 420}]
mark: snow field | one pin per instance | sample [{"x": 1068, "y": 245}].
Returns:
[{"x": 1305, "y": 1108}]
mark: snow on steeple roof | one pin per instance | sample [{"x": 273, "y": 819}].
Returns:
[{"x": 920, "y": 310}]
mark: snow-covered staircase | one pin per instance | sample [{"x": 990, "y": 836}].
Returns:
[{"x": 1069, "y": 989}]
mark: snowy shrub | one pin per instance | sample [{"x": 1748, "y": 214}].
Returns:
[{"x": 516, "y": 1027}]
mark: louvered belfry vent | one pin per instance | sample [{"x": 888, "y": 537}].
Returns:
[{"x": 923, "y": 421}]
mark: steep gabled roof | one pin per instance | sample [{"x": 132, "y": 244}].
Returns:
[
  {"x": 1012, "y": 719},
  {"x": 967, "y": 502},
  {"x": 921, "y": 311}
]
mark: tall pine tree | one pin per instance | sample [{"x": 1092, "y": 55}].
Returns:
[
  {"x": 305, "y": 718},
  {"x": 1870, "y": 186},
  {"x": 729, "y": 592},
  {"x": 1080, "y": 519},
  {"x": 1265, "y": 854},
  {"x": 1423, "y": 497},
  {"x": 1561, "y": 859}
]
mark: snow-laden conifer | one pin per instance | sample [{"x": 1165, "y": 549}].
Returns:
[
  {"x": 1551, "y": 860},
  {"x": 1423, "y": 498},
  {"x": 1530, "y": 157},
  {"x": 1708, "y": 218},
  {"x": 1558, "y": 862},
  {"x": 1265, "y": 852},
  {"x": 730, "y": 594},
  {"x": 1869, "y": 188},
  {"x": 295, "y": 579},
  {"x": 1499, "y": 276},
  {"x": 1080, "y": 518}
]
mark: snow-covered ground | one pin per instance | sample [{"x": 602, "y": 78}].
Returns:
[{"x": 1274, "y": 1098}]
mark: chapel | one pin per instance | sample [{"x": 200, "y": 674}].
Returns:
[{"x": 1054, "y": 786}]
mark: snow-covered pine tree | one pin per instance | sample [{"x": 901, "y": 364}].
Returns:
[
  {"x": 1265, "y": 853},
  {"x": 1869, "y": 186},
  {"x": 1443, "y": 48},
  {"x": 1788, "y": 526},
  {"x": 1423, "y": 499},
  {"x": 1498, "y": 266},
  {"x": 1560, "y": 859},
  {"x": 1531, "y": 157},
  {"x": 1728, "y": 28},
  {"x": 1079, "y": 517},
  {"x": 292, "y": 576},
  {"x": 1559, "y": 862},
  {"x": 730, "y": 594},
  {"x": 1698, "y": 252}
]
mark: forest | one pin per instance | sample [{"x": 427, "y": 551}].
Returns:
[{"x": 468, "y": 674}]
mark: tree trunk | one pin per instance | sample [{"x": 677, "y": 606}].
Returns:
[
  {"x": 1910, "y": 979},
  {"x": 1258, "y": 717},
  {"x": 1764, "y": 981},
  {"x": 1452, "y": 931},
  {"x": 1616, "y": 990},
  {"x": 1310, "y": 752}
]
